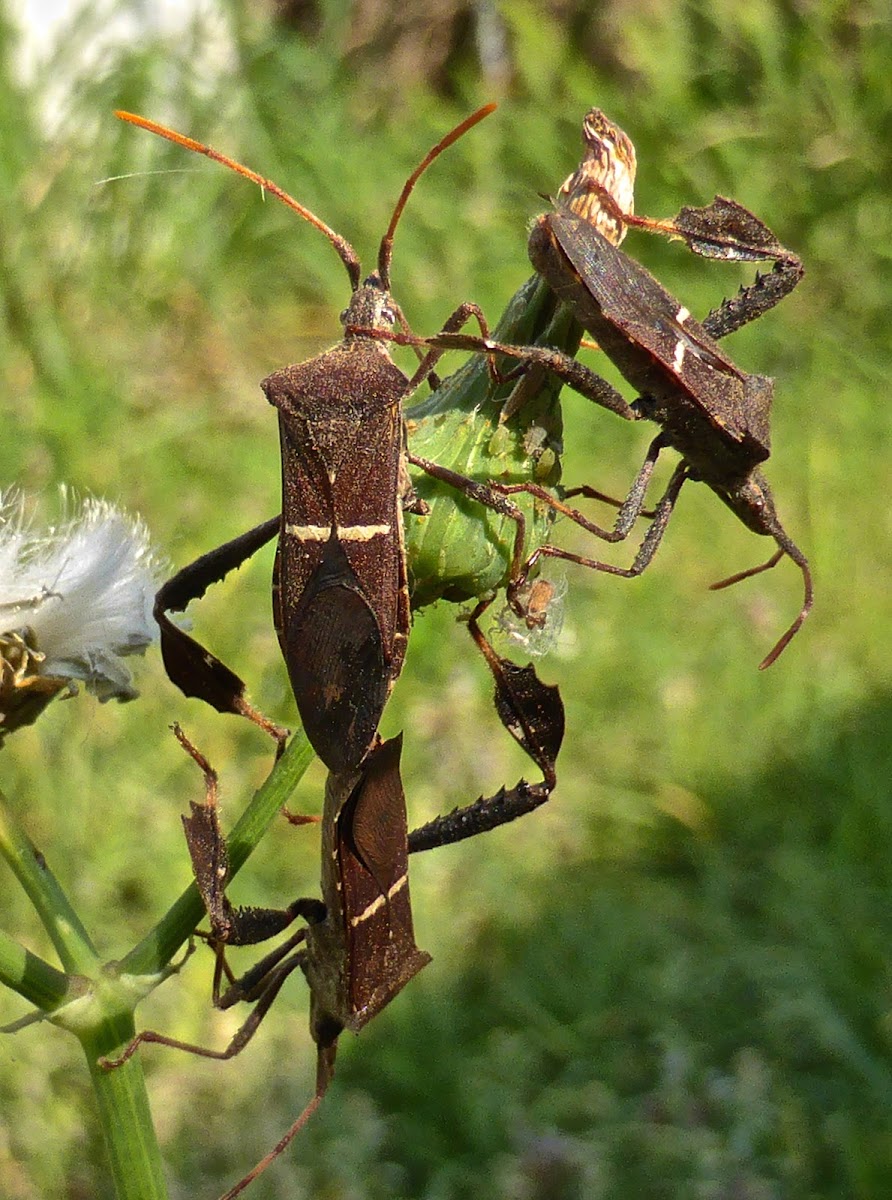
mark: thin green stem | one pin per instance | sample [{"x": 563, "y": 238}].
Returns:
[
  {"x": 31, "y": 976},
  {"x": 124, "y": 1113},
  {"x": 72, "y": 942}
]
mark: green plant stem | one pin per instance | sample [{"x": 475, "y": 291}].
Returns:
[
  {"x": 31, "y": 976},
  {"x": 124, "y": 1113},
  {"x": 72, "y": 942}
]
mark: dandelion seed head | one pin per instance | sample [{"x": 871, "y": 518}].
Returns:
[{"x": 75, "y": 600}]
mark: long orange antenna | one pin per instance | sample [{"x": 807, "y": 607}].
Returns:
[
  {"x": 385, "y": 253},
  {"x": 345, "y": 251}
]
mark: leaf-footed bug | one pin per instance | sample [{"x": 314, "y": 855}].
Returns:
[
  {"x": 714, "y": 414},
  {"x": 357, "y": 949},
  {"x": 341, "y": 599}
]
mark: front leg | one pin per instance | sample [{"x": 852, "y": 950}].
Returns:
[
  {"x": 754, "y": 300},
  {"x": 454, "y": 322},
  {"x": 726, "y": 230},
  {"x": 572, "y": 373}
]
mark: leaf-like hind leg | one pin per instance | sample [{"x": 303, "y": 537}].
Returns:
[{"x": 194, "y": 670}]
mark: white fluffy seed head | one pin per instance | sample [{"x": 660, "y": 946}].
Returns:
[{"x": 75, "y": 600}]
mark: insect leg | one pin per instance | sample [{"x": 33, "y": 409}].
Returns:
[
  {"x": 533, "y": 714},
  {"x": 194, "y": 670}
]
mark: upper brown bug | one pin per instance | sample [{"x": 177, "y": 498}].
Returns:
[{"x": 716, "y": 415}]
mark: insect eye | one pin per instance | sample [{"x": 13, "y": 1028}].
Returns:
[
  {"x": 343, "y": 317},
  {"x": 388, "y": 314}
]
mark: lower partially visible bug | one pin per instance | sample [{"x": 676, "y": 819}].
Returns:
[
  {"x": 357, "y": 945},
  {"x": 357, "y": 948}
]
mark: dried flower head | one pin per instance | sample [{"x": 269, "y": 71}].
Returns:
[{"x": 75, "y": 600}]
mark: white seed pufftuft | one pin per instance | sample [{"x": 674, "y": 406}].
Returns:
[{"x": 75, "y": 600}]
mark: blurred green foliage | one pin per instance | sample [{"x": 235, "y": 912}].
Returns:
[{"x": 673, "y": 981}]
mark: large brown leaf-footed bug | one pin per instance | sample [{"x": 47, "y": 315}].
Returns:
[
  {"x": 714, "y": 414},
  {"x": 341, "y": 601},
  {"x": 357, "y": 948}
]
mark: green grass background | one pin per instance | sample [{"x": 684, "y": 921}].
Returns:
[{"x": 673, "y": 981}]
